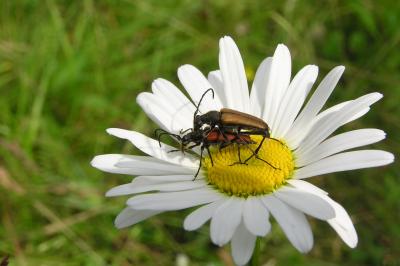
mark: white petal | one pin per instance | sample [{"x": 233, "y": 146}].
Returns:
[
  {"x": 338, "y": 107},
  {"x": 215, "y": 79},
  {"x": 323, "y": 128},
  {"x": 345, "y": 161},
  {"x": 293, "y": 99},
  {"x": 147, "y": 165},
  {"x": 182, "y": 108},
  {"x": 200, "y": 216},
  {"x": 128, "y": 217},
  {"x": 152, "y": 148},
  {"x": 293, "y": 223},
  {"x": 339, "y": 143},
  {"x": 133, "y": 188},
  {"x": 151, "y": 106},
  {"x": 257, "y": 94},
  {"x": 233, "y": 75},
  {"x": 167, "y": 90},
  {"x": 306, "y": 202},
  {"x": 343, "y": 225},
  {"x": 173, "y": 200},
  {"x": 298, "y": 135},
  {"x": 304, "y": 185},
  {"x": 358, "y": 115},
  {"x": 242, "y": 245},
  {"x": 316, "y": 102},
  {"x": 225, "y": 220},
  {"x": 294, "y": 140},
  {"x": 256, "y": 216},
  {"x": 278, "y": 83},
  {"x": 136, "y": 165},
  {"x": 322, "y": 117},
  {"x": 162, "y": 179},
  {"x": 167, "y": 115},
  {"x": 196, "y": 84}
]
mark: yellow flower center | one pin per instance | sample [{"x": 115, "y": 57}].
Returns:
[{"x": 262, "y": 174}]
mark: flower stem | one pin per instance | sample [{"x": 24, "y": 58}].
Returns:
[{"x": 256, "y": 254}]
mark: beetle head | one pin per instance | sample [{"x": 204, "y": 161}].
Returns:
[{"x": 191, "y": 138}]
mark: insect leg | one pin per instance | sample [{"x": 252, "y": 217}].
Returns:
[
  {"x": 261, "y": 143},
  {"x": 251, "y": 156},
  {"x": 240, "y": 160},
  {"x": 173, "y": 150},
  {"x": 238, "y": 136},
  {"x": 164, "y": 132},
  {"x": 258, "y": 158},
  {"x": 201, "y": 159},
  {"x": 277, "y": 140},
  {"x": 184, "y": 131},
  {"x": 158, "y": 135},
  {"x": 224, "y": 145},
  {"x": 209, "y": 154},
  {"x": 261, "y": 159},
  {"x": 191, "y": 147}
]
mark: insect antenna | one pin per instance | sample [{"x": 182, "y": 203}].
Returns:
[{"x": 201, "y": 99}]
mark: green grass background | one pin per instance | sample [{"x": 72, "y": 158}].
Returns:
[{"x": 71, "y": 69}]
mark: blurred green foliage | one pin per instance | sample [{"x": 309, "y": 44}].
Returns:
[{"x": 71, "y": 69}]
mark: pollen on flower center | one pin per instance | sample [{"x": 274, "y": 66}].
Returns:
[{"x": 262, "y": 175}]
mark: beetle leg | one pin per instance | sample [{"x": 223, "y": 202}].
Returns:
[
  {"x": 261, "y": 143},
  {"x": 173, "y": 150},
  {"x": 261, "y": 159},
  {"x": 240, "y": 160},
  {"x": 237, "y": 136},
  {"x": 157, "y": 130},
  {"x": 254, "y": 153},
  {"x": 223, "y": 134},
  {"x": 224, "y": 145},
  {"x": 164, "y": 132},
  {"x": 207, "y": 145},
  {"x": 201, "y": 159},
  {"x": 191, "y": 147},
  {"x": 158, "y": 135},
  {"x": 209, "y": 154},
  {"x": 185, "y": 149},
  {"x": 277, "y": 140},
  {"x": 184, "y": 131}
]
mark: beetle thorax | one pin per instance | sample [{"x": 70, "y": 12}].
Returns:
[{"x": 211, "y": 119}]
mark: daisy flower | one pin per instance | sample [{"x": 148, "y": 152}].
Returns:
[{"x": 239, "y": 199}]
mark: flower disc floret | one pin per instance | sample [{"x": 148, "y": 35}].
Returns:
[{"x": 258, "y": 176}]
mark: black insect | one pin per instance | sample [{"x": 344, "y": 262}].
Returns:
[
  {"x": 205, "y": 138},
  {"x": 222, "y": 128},
  {"x": 229, "y": 120}
]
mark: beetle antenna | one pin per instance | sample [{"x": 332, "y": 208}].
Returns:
[{"x": 201, "y": 99}]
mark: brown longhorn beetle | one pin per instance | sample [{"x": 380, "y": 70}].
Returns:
[{"x": 223, "y": 128}]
